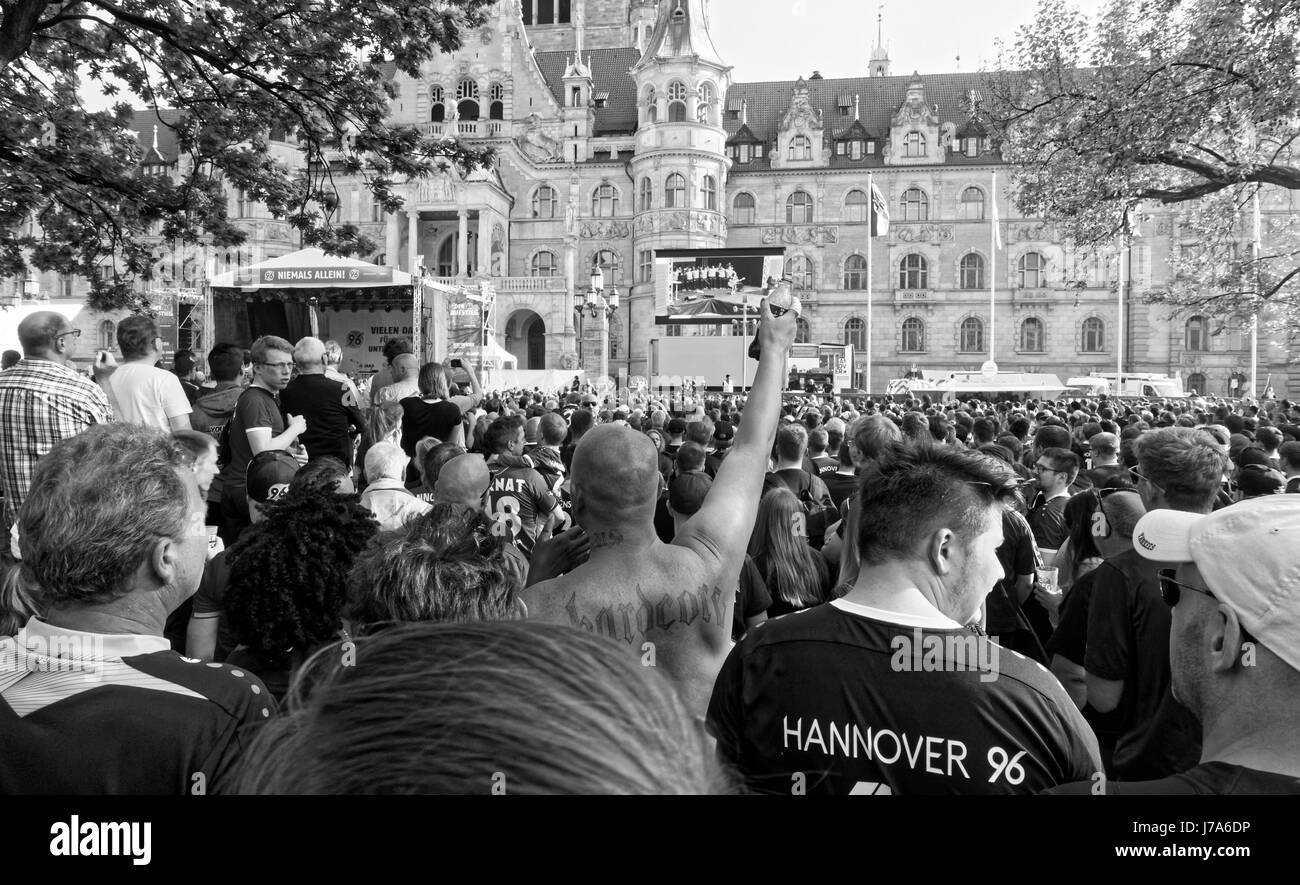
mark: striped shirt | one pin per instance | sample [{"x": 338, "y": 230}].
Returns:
[{"x": 41, "y": 403}]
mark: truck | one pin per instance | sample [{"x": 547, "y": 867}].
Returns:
[
  {"x": 948, "y": 385},
  {"x": 1136, "y": 384}
]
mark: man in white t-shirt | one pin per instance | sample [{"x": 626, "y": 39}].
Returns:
[{"x": 139, "y": 392}]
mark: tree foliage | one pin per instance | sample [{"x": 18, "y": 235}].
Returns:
[
  {"x": 1194, "y": 104},
  {"x": 72, "y": 196}
]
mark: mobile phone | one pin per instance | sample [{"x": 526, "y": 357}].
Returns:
[{"x": 455, "y": 363}]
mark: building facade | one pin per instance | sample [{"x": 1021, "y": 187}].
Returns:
[{"x": 619, "y": 130}]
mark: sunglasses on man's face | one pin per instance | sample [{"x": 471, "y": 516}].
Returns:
[{"x": 1171, "y": 589}]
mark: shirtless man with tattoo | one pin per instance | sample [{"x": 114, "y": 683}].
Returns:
[{"x": 670, "y": 605}]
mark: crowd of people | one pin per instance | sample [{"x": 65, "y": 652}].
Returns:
[{"x": 266, "y": 578}]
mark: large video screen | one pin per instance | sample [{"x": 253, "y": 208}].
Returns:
[{"x": 712, "y": 285}]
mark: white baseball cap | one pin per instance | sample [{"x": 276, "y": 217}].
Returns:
[{"x": 1249, "y": 554}]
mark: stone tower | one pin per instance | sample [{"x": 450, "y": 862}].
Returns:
[{"x": 679, "y": 169}]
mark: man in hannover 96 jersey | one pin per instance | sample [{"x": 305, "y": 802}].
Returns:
[{"x": 888, "y": 690}]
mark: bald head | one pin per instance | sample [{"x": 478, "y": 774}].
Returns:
[
  {"x": 309, "y": 356},
  {"x": 462, "y": 480},
  {"x": 615, "y": 477},
  {"x": 39, "y": 333},
  {"x": 405, "y": 367}
]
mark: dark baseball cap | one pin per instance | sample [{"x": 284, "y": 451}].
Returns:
[
  {"x": 723, "y": 431},
  {"x": 269, "y": 475},
  {"x": 686, "y": 494}
]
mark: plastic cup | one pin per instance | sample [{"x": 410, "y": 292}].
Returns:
[{"x": 1047, "y": 576}]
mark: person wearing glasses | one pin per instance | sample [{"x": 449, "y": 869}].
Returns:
[
  {"x": 140, "y": 392},
  {"x": 1127, "y": 655},
  {"x": 258, "y": 425},
  {"x": 1056, "y": 470},
  {"x": 1231, "y": 582},
  {"x": 42, "y": 400}
]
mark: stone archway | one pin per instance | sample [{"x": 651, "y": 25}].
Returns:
[{"x": 526, "y": 339}]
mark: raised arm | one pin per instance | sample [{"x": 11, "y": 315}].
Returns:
[
  {"x": 467, "y": 403},
  {"x": 720, "y": 530}
]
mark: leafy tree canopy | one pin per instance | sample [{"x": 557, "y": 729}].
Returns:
[
  {"x": 72, "y": 194},
  {"x": 1194, "y": 104}
]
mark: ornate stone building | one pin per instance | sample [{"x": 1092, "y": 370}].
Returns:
[{"x": 619, "y": 129}]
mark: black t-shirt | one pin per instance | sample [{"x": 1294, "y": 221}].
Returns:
[
  {"x": 1128, "y": 641},
  {"x": 324, "y": 404},
  {"x": 821, "y": 581},
  {"x": 1018, "y": 556},
  {"x": 1099, "y": 476},
  {"x": 860, "y": 706},
  {"x": 146, "y": 725},
  {"x": 1206, "y": 779},
  {"x": 840, "y": 486},
  {"x": 1070, "y": 641},
  {"x": 752, "y": 598},
  {"x": 257, "y": 407},
  {"x": 1047, "y": 519},
  {"x": 421, "y": 418}
]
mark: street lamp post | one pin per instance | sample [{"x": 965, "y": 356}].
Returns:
[{"x": 601, "y": 309}]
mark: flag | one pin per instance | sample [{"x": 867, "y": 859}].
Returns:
[
  {"x": 879, "y": 213},
  {"x": 997, "y": 228}
]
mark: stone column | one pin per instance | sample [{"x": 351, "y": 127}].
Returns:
[
  {"x": 484, "y": 242},
  {"x": 412, "y": 239}
]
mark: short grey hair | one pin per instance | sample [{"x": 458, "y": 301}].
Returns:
[
  {"x": 98, "y": 503},
  {"x": 385, "y": 461}
]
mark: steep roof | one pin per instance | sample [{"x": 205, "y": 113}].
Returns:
[
  {"x": 143, "y": 120},
  {"x": 881, "y": 98},
  {"x": 609, "y": 73},
  {"x": 681, "y": 31}
]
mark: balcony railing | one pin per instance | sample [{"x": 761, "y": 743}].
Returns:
[
  {"x": 510, "y": 284},
  {"x": 465, "y": 128}
]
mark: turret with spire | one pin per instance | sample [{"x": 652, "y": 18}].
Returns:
[
  {"x": 880, "y": 55},
  {"x": 579, "y": 111}
]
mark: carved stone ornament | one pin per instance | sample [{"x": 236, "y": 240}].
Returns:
[
  {"x": 605, "y": 230},
  {"x": 921, "y": 233},
  {"x": 798, "y": 235}
]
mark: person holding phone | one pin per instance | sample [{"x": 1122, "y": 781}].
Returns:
[{"x": 435, "y": 412}]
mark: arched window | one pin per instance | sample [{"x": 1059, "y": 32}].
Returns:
[
  {"x": 855, "y": 333},
  {"x": 1197, "y": 336},
  {"x": 675, "y": 191},
  {"x": 972, "y": 204},
  {"x": 497, "y": 95},
  {"x": 604, "y": 201},
  {"x": 437, "y": 104},
  {"x": 799, "y": 270},
  {"x": 544, "y": 202},
  {"x": 799, "y": 208},
  {"x": 1094, "y": 335},
  {"x": 855, "y": 272},
  {"x": 972, "y": 335},
  {"x": 913, "y": 145},
  {"x": 972, "y": 271},
  {"x": 107, "y": 335},
  {"x": 647, "y": 195},
  {"x": 467, "y": 100},
  {"x": 1032, "y": 335},
  {"x": 801, "y": 148},
  {"x": 916, "y": 205},
  {"x": 447, "y": 266},
  {"x": 543, "y": 264},
  {"x": 913, "y": 272},
  {"x": 1196, "y": 383},
  {"x": 802, "y": 331},
  {"x": 652, "y": 105},
  {"x": 610, "y": 264},
  {"x": 676, "y": 102},
  {"x": 745, "y": 208},
  {"x": 705, "y": 96},
  {"x": 856, "y": 205},
  {"x": 709, "y": 193},
  {"x": 913, "y": 336},
  {"x": 1033, "y": 271}
]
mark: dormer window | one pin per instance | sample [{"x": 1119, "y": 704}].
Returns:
[
  {"x": 745, "y": 153},
  {"x": 913, "y": 145},
  {"x": 856, "y": 149},
  {"x": 801, "y": 148}
]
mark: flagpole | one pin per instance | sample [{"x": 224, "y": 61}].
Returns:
[
  {"x": 1254, "y": 320},
  {"x": 871, "y": 229},
  {"x": 1119, "y": 337},
  {"x": 993, "y": 264}
]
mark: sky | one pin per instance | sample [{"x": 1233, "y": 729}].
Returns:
[{"x": 784, "y": 39}]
